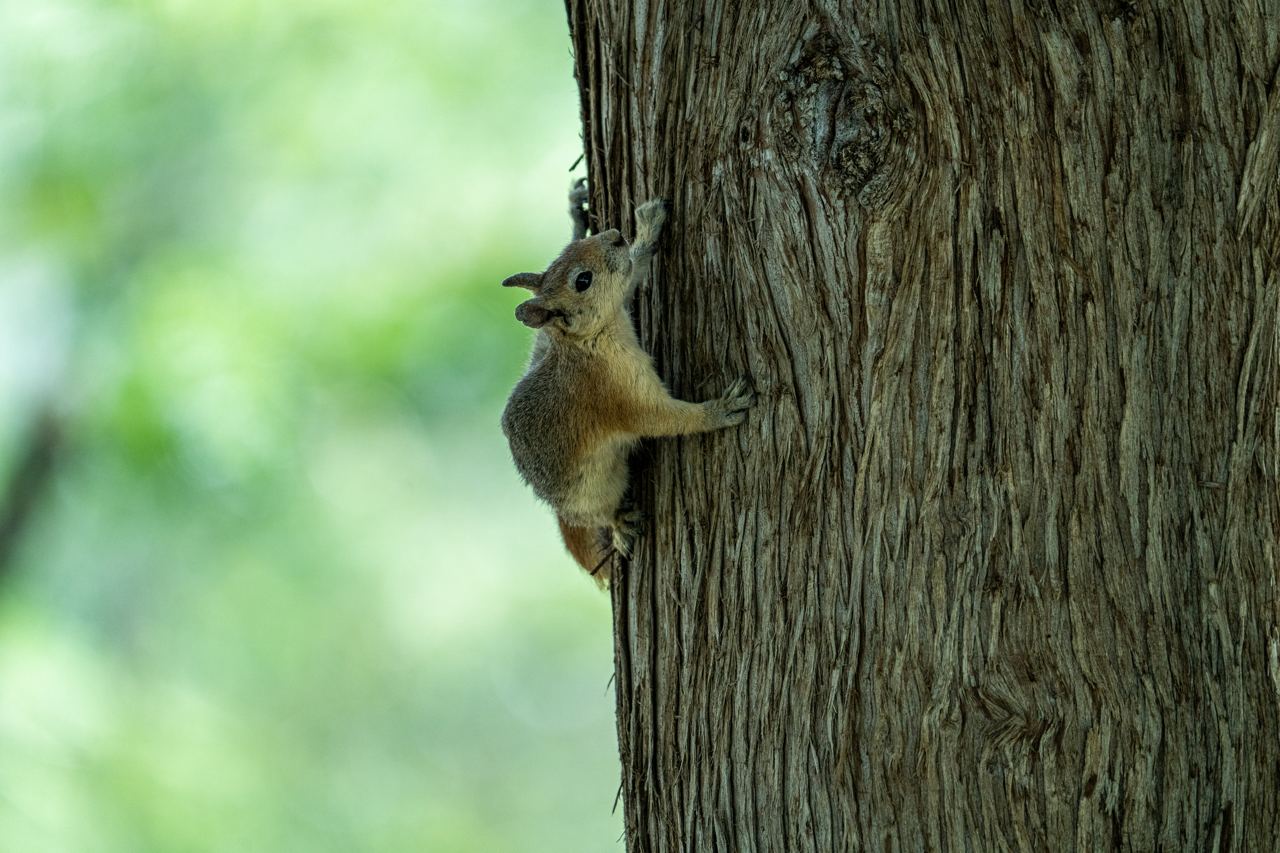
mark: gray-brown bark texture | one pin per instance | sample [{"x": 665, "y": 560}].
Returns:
[{"x": 993, "y": 563}]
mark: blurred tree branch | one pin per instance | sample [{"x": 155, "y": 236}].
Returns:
[{"x": 35, "y": 465}]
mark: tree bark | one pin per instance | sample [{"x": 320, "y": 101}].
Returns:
[{"x": 993, "y": 563}]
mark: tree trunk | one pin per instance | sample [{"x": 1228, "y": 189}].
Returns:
[{"x": 993, "y": 563}]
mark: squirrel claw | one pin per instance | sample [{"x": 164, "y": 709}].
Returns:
[{"x": 741, "y": 395}]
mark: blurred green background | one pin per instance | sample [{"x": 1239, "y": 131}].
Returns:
[{"x": 281, "y": 589}]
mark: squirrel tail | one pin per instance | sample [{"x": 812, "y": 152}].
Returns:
[{"x": 587, "y": 546}]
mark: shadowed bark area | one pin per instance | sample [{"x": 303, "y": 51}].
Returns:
[{"x": 992, "y": 565}]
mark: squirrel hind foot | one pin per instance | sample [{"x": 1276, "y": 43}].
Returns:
[{"x": 627, "y": 526}]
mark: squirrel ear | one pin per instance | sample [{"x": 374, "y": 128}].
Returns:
[
  {"x": 527, "y": 280},
  {"x": 532, "y": 314}
]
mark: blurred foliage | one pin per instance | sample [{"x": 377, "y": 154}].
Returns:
[{"x": 284, "y": 591}]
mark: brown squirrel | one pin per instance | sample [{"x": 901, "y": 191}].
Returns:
[{"x": 590, "y": 391}]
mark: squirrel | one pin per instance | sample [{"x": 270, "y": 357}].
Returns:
[{"x": 590, "y": 391}]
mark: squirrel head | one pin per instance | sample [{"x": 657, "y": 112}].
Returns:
[{"x": 581, "y": 291}]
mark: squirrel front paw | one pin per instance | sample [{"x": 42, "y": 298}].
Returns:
[
  {"x": 578, "y": 193},
  {"x": 650, "y": 218},
  {"x": 578, "y": 196},
  {"x": 731, "y": 408}
]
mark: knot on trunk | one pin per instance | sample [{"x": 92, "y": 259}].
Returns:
[{"x": 839, "y": 111}]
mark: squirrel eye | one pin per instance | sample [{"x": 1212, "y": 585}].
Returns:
[{"x": 583, "y": 281}]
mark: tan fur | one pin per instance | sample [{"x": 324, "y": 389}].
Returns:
[{"x": 590, "y": 391}]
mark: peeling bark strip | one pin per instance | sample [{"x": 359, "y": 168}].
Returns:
[{"x": 993, "y": 565}]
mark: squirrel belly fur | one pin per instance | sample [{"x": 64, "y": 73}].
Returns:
[{"x": 590, "y": 391}]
